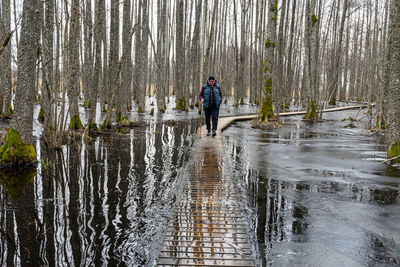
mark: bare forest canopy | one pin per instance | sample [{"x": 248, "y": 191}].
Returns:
[{"x": 117, "y": 52}]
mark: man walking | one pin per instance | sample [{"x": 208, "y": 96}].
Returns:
[{"x": 211, "y": 97}]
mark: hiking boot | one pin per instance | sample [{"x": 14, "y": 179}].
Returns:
[
  {"x": 208, "y": 133},
  {"x": 214, "y": 133}
]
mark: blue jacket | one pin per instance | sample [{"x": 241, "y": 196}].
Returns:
[{"x": 206, "y": 94}]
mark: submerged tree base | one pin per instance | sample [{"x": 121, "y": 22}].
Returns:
[
  {"x": 181, "y": 104},
  {"x": 106, "y": 124},
  {"x": 14, "y": 153},
  {"x": 75, "y": 123},
  {"x": 125, "y": 122},
  {"x": 312, "y": 115},
  {"x": 267, "y": 125},
  {"x": 332, "y": 101}
]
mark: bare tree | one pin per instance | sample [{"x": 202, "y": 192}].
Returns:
[
  {"x": 28, "y": 47},
  {"x": 48, "y": 88},
  {"x": 310, "y": 60},
  {"x": 266, "y": 111},
  {"x": 338, "y": 55},
  {"x": 96, "y": 74},
  {"x": 124, "y": 98},
  {"x": 161, "y": 56},
  {"x": 5, "y": 59},
  {"x": 180, "y": 58},
  {"x": 74, "y": 68},
  {"x": 393, "y": 90}
]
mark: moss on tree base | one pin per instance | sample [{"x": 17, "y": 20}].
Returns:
[
  {"x": 118, "y": 117},
  {"x": 9, "y": 109},
  {"x": 312, "y": 114},
  {"x": 181, "y": 104},
  {"x": 92, "y": 126},
  {"x": 332, "y": 101},
  {"x": 14, "y": 153},
  {"x": 75, "y": 123},
  {"x": 394, "y": 151},
  {"x": 266, "y": 111},
  {"x": 41, "y": 115},
  {"x": 125, "y": 122},
  {"x": 106, "y": 124}
]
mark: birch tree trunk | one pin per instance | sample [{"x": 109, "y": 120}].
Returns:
[
  {"x": 393, "y": 91},
  {"x": 28, "y": 47}
]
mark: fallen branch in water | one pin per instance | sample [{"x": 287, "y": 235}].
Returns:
[{"x": 387, "y": 160}]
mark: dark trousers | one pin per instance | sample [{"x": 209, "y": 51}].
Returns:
[{"x": 214, "y": 111}]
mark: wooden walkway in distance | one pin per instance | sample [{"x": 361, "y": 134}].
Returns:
[{"x": 206, "y": 227}]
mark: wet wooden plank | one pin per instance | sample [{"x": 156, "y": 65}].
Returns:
[
  {"x": 206, "y": 227},
  {"x": 205, "y": 262}
]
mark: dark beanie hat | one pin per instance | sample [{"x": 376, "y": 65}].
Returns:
[{"x": 211, "y": 78}]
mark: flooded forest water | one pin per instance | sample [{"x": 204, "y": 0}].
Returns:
[{"x": 311, "y": 193}]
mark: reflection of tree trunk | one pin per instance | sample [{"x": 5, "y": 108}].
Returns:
[
  {"x": 72, "y": 210},
  {"x": 262, "y": 208},
  {"x": 25, "y": 219}
]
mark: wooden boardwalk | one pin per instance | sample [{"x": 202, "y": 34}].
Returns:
[{"x": 206, "y": 227}]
